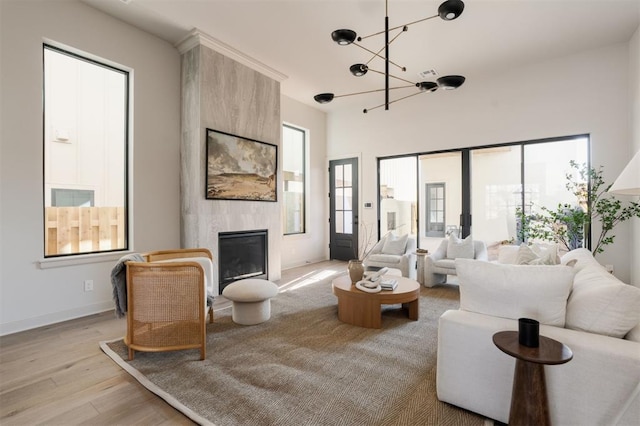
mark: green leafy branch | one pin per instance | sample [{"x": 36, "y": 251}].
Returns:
[{"x": 568, "y": 224}]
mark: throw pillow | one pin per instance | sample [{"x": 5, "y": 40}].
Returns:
[
  {"x": 547, "y": 253},
  {"x": 379, "y": 245},
  {"x": 536, "y": 255},
  {"x": 460, "y": 249},
  {"x": 508, "y": 254},
  {"x": 525, "y": 255},
  {"x": 515, "y": 291},
  {"x": 602, "y": 304},
  {"x": 395, "y": 245}
]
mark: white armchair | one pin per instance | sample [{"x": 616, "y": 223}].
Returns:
[
  {"x": 441, "y": 263},
  {"x": 393, "y": 252}
]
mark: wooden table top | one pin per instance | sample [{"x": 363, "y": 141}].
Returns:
[
  {"x": 549, "y": 352},
  {"x": 342, "y": 285}
]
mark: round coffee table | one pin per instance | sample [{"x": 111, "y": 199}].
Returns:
[
  {"x": 360, "y": 308},
  {"x": 529, "y": 405}
]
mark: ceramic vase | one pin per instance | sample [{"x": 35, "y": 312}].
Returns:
[{"x": 356, "y": 270}]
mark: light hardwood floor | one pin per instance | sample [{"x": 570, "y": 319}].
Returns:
[{"x": 57, "y": 375}]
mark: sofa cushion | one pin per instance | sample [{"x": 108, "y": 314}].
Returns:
[
  {"x": 460, "y": 249},
  {"x": 514, "y": 291},
  {"x": 395, "y": 245},
  {"x": 602, "y": 304}
]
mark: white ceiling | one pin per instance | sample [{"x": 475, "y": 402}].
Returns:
[{"x": 293, "y": 36}]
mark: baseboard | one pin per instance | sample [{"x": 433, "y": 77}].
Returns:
[
  {"x": 53, "y": 318},
  {"x": 303, "y": 263}
]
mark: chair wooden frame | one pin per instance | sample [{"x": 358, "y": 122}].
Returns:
[{"x": 166, "y": 302}]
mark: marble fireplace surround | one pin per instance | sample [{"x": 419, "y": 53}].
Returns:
[{"x": 229, "y": 92}]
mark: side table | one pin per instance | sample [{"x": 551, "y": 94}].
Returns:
[
  {"x": 420, "y": 259},
  {"x": 529, "y": 404}
]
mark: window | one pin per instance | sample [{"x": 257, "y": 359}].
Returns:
[
  {"x": 293, "y": 170},
  {"x": 86, "y": 107},
  {"x": 493, "y": 183}
]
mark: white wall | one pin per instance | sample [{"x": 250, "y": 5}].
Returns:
[
  {"x": 312, "y": 245},
  {"x": 32, "y": 296},
  {"x": 634, "y": 85},
  {"x": 583, "y": 93}
]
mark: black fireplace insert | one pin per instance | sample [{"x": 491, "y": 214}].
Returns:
[{"x": 242, "y": 255}]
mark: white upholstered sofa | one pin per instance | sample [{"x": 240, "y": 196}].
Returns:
[
  {"x": 396, "y": 252},
  {"x": 582, "y": 306}
]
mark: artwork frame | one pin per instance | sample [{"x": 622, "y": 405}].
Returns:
[{"x": 240, "y": 168}]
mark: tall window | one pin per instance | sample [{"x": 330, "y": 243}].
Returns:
[
  {"x": 85, "y": 154},
  {"x": 293, "y": 170}
]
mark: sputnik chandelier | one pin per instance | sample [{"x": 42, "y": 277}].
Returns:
[{"x": 448, "y": 11}]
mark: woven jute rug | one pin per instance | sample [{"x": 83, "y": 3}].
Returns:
[{"x": 305, "y": 367}]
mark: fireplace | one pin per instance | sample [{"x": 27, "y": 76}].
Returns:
[{"x": 242, "y": 255}]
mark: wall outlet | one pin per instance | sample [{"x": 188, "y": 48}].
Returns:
[{"x": 88, "y": 285}]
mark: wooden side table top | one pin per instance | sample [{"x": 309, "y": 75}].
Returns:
[{"x": 549, "y": 352}]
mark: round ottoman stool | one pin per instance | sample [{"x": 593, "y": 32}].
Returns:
[{"x": 250, "y": 297}]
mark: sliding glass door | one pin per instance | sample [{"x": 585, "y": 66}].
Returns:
[
  {"x": 481, "y": 190},
  {"x": 440, "y": 197},
  {"x": 397, "y": 196},
  {"x": 496, "y": 183}
]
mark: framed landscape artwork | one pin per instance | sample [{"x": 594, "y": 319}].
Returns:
[{"x": 240, "y": 168}]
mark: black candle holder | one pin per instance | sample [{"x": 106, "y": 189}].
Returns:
[{"x": 529, "y": 332}]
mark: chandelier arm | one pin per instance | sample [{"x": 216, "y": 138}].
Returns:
[
  {"x": 380, "y": 56},
  {"x": 392, "y": 76},
  {"x": 384, "y": 47},
  {"x": 399, "y": 26},
  {"x": 373, "y": 91},
  {"x": 394, "y": 101}
]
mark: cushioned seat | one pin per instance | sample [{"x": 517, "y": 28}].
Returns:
[{"x": 251, "y": 300}]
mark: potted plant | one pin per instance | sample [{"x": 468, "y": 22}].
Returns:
[
  {"x": 356, "y": 268},
  {"x": 568, "y": 224}
]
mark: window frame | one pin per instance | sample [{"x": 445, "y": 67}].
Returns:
[
  {"x": 52, "y": 260},
  {"x": 305, "y": 187}
]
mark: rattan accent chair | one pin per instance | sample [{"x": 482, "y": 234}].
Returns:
[{"x": 167, "y": 302}]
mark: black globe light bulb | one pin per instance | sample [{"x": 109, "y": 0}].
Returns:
[
  {"x": 427, "y": 86},
  {"x": 450, "y": 82},
  {"x": 358, "y": 69},
  {"x": 323, "y": 98},
  {"x": 343, "y": 37},
  {"x": 450, "y": 9}
]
